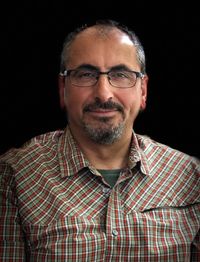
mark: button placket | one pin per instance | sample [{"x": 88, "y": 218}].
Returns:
[
  {"x": 106, "y": 190},
  {"x": 114, "y": 232}
]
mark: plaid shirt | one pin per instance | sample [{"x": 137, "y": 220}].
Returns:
[{"x": 56, "y": 207}]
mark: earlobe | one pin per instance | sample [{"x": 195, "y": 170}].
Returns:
[
  {"x": 143, "y": 104},
  {"x": 61, "y": 87},
  {"x": 144, "y": 84}
]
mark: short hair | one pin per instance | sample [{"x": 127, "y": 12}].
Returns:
[{"x": 105, "y": 23}]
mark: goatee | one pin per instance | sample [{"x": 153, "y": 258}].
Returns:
[{"x": 105, "y": 132}]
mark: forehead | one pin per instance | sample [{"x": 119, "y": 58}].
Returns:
[
  {"x": 101, "y": 45},
  {"x": 103, "y": 32}
]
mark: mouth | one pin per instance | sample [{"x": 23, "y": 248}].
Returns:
[
  {"x": 105, "y": 107},
  {"x": 103, "y": 112}
]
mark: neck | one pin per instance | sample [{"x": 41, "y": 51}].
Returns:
[{"x": 114, "y": 156}]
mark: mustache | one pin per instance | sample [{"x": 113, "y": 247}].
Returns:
[{"x": 106, "y": 105}]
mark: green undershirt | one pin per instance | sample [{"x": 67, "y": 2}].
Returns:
[{"x": 110, "y": 176}]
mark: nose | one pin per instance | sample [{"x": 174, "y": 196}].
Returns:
[{"x": 103, "y": 89}]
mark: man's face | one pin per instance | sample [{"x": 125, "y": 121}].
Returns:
[{"x": 102, "y": 112}]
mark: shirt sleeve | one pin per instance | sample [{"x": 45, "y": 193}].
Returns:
[
  {"x": 12, "y": 244},
  {"x": 195, "y": 254}
]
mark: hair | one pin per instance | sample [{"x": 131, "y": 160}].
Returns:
[{"x": 103, "y": 24}]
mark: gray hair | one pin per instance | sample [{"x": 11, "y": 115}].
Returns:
[{"x": 104, "y": 24}]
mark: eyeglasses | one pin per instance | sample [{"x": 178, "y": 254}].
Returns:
[{"x": 116, "y": 78}]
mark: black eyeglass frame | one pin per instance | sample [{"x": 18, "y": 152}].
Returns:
[{"x": 67, "y": 73}]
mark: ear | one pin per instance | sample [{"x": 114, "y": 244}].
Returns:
[
  {"x": 144, "y": 83},
  {"x": 61, "y": 87}
]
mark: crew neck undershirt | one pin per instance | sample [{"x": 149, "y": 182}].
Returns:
[{"x": 110, "y": 175}]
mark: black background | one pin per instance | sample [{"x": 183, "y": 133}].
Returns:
[{"x": 32, "y": 41}]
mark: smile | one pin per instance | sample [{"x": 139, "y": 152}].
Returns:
[{"x": 103, "y": 112}]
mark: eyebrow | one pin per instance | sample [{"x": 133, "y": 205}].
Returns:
[
  {"x": 120, "y": 67},
  {"x": 96, "y": 68},
  {"x": 88, "y": 67}
]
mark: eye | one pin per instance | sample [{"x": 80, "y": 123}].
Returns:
[
  {"x": 84, "y": 74},
  {"x": 119, "y": 74}
]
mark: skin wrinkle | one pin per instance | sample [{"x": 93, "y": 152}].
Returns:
[
  {"x": 97, "y": 190},
  {"x": 101, "y": 116},
  {"x": 107, "y": 135},
  {"x": 101, "y": 32}
]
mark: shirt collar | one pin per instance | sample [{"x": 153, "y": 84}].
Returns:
[
  {"x": 137, "y": 155},
  {"x": 72, "y": 160}
]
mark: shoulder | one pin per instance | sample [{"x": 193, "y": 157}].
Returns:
[
  {"x": 150, "y": 146},
  {"x": 172, "y": 170},
  {"x": 162, "y": 156},
  {"x": 37, "y": 147}
]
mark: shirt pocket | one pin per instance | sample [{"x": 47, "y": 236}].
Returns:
[{"x": 166, "y": 230}]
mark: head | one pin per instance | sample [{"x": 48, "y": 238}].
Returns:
[{"x": 102, "y": 81}]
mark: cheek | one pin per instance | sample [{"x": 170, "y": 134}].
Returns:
[
  {"x": 75, "y": 100},
  {"x": 131, "y": 102}
]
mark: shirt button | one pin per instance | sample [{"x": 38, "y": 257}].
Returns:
[
  {"x": 106, "y": 190},
  {"x": 115, "y": 232}
]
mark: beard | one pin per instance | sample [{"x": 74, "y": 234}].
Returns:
[
  {"x": 104, "y": 135},
  {"x": 103, "y": 131}
]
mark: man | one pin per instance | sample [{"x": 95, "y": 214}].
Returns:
[{"x": 97, "y": 191}]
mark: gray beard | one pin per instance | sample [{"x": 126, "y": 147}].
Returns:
[{"x": 104, "y": 135}]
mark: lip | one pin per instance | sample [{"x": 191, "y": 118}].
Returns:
[{"x": 103, "y": 112}]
